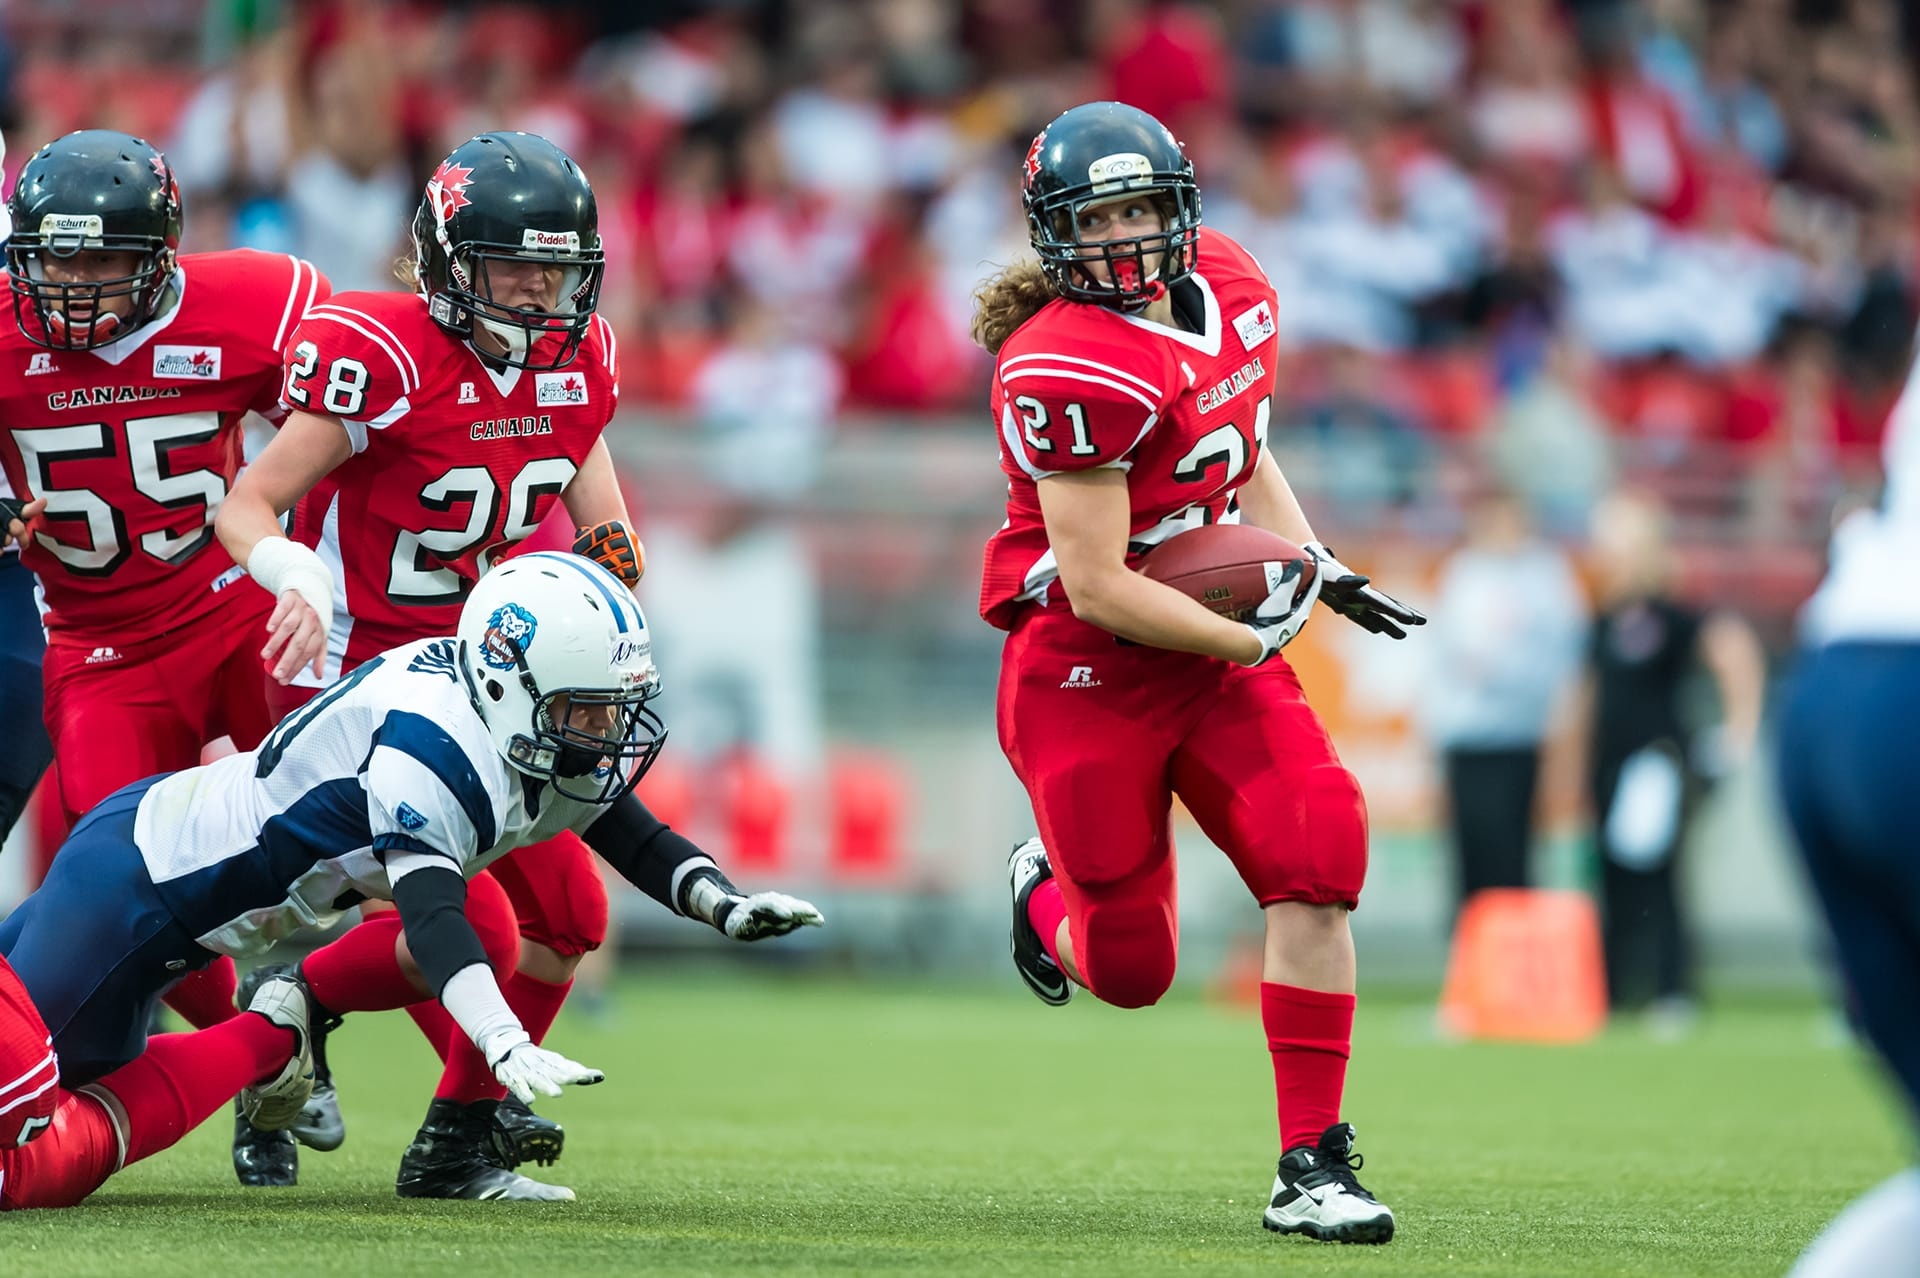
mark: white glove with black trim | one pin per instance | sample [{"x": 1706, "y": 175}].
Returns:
[
  {"x": 527, "y": 1071},
  {"x": 1347, "y": 593},
  {"x": 764, "y": 914},
  {"x": 743, "y": 917},
  {"x": 1276, "y": 621}
]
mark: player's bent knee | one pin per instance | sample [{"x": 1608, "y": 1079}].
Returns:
[{"x": 1129, "y": 953}]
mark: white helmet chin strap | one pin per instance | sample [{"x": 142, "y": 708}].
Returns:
[{"x": 512, "y": 336}]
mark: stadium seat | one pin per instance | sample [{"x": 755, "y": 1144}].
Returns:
[
  {"x": 756, "y": 806},
  {"x": 867, "y": 806}
]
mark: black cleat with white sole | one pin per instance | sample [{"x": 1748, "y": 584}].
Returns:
[
  {"x": 1027, "y": 869},
  {"x": 1316, "y": 1193}
]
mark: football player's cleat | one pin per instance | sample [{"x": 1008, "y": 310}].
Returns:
[
  {"x": 268, "y": 1160},
  {"x": 452, "y": 1157},
  {"x": 1316, "y": 1193},
  {"x": 520, "y": 1136},
  {"x": 1027, "y": 869},
  {"x": 274, "y": 1104}
]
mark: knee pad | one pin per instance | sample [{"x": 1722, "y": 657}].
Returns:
[
  {"x": 1336, "y": 829},
  {"x": 491, "y": 914},
  {"x": 558, "y": 895},
  {"x": 1126, "y": 950}
]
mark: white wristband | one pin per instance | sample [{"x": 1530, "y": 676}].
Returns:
[
  {"x": 281, "y": 564},
  {"x": 472, "y": 997}
]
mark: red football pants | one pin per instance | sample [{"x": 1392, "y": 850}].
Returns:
[
  {"x": 122, "y": 712},
  {"x": 1103, "y": 735}
]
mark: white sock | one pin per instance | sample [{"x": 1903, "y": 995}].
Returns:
[{"x": 1877, "y": 1236}]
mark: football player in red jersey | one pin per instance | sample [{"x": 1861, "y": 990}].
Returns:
[
  {"x": 431, "y": 433},
  {"x": 58, "y": 1146},
  {"x": 123, "y": 382},
  {"x": 1134, "y": 369}
]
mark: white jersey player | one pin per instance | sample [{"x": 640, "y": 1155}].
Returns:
[{"x": 399, "y": 783}]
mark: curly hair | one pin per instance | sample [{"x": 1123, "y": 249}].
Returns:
[{"x": 1007, "y": 301}]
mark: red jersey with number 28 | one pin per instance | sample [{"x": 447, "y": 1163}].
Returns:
[
  {"x": 134, "y": 445},
  {"x": 1184, "y": 414},
  {"x": 455, "y": 462}
]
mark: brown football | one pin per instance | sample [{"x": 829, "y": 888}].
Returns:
[{"x": 1231, "y": 568}]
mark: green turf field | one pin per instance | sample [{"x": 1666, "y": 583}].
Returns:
[{"x": 816, "y": 1126}]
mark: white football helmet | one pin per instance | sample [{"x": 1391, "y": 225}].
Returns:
[{"x": 549, "y": 631}]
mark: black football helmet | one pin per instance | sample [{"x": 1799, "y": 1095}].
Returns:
[
  {"x": 510, "y": 197},
  {"x": 91, "y": 190},
  {"x": 1090, "y": 155}
]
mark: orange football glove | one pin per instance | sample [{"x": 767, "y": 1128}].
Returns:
[{"x": 614, "y": 548}]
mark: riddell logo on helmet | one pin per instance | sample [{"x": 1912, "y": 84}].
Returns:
[{"x": 564, "y": 241}]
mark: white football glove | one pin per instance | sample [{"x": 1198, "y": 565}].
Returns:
[
  {"x": 1348, "y": 594},
  {"x": 764, "y": 914},
  {"x": 528, "y": 1071},
  {"x": 1281, "y": 617}
]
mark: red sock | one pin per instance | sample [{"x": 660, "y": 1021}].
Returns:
[
  {"x": 1045, "y": 910},
  {"x": 360, "y": 972},
  {"x": 467, "y": 1077},
  {"x": 441, "y": 1029},
  {"x": 1310, "y": 1034},
  {"x": 183, "y": 1078},
  {"x": 205, "y": 997}
]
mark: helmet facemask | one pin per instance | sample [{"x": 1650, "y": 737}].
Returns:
[
  {"x": 520, "y": 328},
  {"x": 51, "y": 303},
  {"x": 582, "y": 764},
  {"x": 1053, "y": 226}
]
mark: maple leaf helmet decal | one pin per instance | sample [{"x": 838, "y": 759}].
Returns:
[
  {"x": 95, "y": 190},
  {"x": 498, "y": 201}
]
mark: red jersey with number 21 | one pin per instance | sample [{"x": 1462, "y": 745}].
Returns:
[
  {"x": 135, "y": 444},
  {"x": 1184, "y": 414},
  {"x": 455, "y": 462}
]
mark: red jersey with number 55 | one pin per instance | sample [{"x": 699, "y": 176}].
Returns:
[
  {"x": 1183, "y": 414},
  {"x": 135, "y": 444},
  {"x": 455, "y": 462}
]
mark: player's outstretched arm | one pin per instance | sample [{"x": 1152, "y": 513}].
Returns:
[
  {"x": 671, "y": 869},
  {"x": 248, "y": 525},
  {"x": 431, "y": 897}
]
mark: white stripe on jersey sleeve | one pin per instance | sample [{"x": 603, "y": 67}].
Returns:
[
  {"x": 303, "y": 273},
  {"x": 1151, "y": 406},
  {"x": 365, "y": 325},
  {"x": 398, "y": 785},
  {"x": 1121, "y": 373}
]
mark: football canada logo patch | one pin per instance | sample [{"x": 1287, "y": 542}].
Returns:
[
  {"x": 1255, "y": 325},
  {"x": 509, "y": 633},
  {"x": 201, "y": 363},
  {"x": 559, "y": 388}
]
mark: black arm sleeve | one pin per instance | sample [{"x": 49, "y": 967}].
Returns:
[
  {"x": 433, "y": 914},
  {"x": 649, "y": 854}
]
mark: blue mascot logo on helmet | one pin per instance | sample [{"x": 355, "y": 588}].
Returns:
[{"x": 509, "y": 633}]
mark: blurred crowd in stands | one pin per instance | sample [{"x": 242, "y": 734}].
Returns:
[{"x": 1598, "y": 239}]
